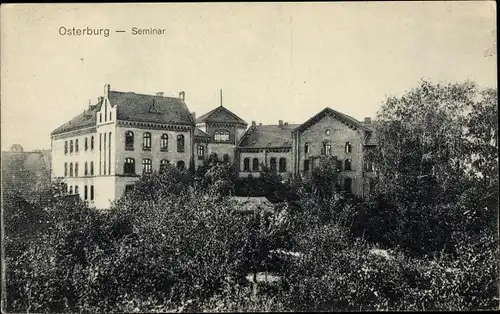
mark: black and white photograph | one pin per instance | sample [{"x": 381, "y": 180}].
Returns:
[{"x": 249, "y": 157}]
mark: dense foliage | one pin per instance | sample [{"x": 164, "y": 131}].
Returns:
[{"x": 425, "y": 240}]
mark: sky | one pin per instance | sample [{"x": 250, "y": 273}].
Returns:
[{"x": 273, "y": 61}]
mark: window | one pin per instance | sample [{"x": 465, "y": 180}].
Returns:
[
  {"x": 180, "y": 143},
  {"x": 65, "y": 147},
  {"x": 246, "y": 164},
  {"x": 147, "y": 166},
  {"x": 110, "y": 118},
  {"x": 91, "y": 168},
  {"x": 348, "y": 185},
  {"x": 71, "y": 189},
  {"x": 146, "y": 141},
  {"x": 92, "y": 142},
  {"x": 306, "y": 165},
  {"x": 273, "y": 164},
  {"x": 369, "y": 166},
  {"x": 77, "y": 147},
  {"x": 86, "y": 144},
  {"x": 338, "y": 164},
  {"x": 201, "y": 151},
  {"x": 221, "y": 136},
  {"x": 85, "y": 193},
  {"x": 71, "y": 146},
  {"x": 282, "y": 165},
  {"x": 65, "y": 169},
  {"x": 129, "y": 140},
  {"x": 180, "y": 165},
  {"x": 255, "y": 164},
  {"x": 76, "y": 169},
  {"x": 348, "y": 147},
  {"x": 86, "y": 170},
  {"x": 225, "y": 158},
  {"x": 91, "y": 192},
  {"x": 327, "y": 148},
  {"x": 327, "y": 132},
  {"x": 164, "y": 143},
  {"x": 129, "y": 188},
  {"x": 163, "y": 164},
  {"x": 347, "y": 165},
  {"x": 70, "y": 169},
  {"x": 306, "y": 148},
  {"x": 109, "y": 153},
  {"x": 100, "y": 117},
  {"x": 76, "y": 189},
  {"x": 129, "y": 166}
]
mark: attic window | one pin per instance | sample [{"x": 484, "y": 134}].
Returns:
[
  {"x": 253, "y": 142},
  {"x": 327, "y": 132}
]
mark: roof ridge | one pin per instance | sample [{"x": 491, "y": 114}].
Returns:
[{"x": 140, "y": 94}]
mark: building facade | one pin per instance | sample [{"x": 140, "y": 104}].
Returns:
[{"x": 100, "y": 153}]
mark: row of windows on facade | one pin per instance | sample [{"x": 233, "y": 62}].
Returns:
[
  {"x": 347, "y": 165},
  {"x": 87, "y": 170},
  {"x": 146, "y": 141},
  {"x": 147, "y": 165},
  {"x": 272, "y": 164},
  {"x": 76, "y": 146},
  {"x": 327, "y": 148},
  {"x": 85, "y": 192}
]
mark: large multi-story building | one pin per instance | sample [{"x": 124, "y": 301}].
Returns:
[{"x": 100, "y": 153}]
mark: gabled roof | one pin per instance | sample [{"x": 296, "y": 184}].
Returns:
[
  {"x": 83, "y": 120},
  {"x": 339, "y": 115},
  {"x": 262, "y": 136},
  {"x": 150, "y": 108},
  {"x": 220, "y": 115}
]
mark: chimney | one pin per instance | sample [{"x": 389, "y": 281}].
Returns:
[
  {"x": 100, "y": 99},
  {"x": 260, "y": 123},
  {"x": 253, "y": 124},
  {"x": 107, "y": 88},
  {"x": 193, "y": 114},
  {"x": 159, "y": 94},
  {"x": 182, "y": 95},
  {"x": 281, "y": 122},
  {"x": 368, "y": 120},
  {"x": 286, "y": 123}
]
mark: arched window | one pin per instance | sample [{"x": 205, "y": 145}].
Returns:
[
  {"x": 70, "y": 189},
  {"x": 255, "y": 164},
  {"x": 76, "y": 189},
  {"x": 86, "y": 144},
  {"x": 86, "y": 169},
  {"x": 70, "y": 169},
  {"x": 272, "y": 163},
  {"x": 348, "y": 147},
  {"x": 91, "y": 192},
  {"x": 129, "y": 140},
  {"x": 85, "y": 193},
  {"x": 163, "y": 164},
  {"x": 147, "y": 166},
  {"x": 77, "y": 148},
  {"x": 92, "y": 142},
  {"x": 180, "y": 143},
  {"x": 282, "y": 164},
  {"x": 327, "y": 148},
  {"x": 65, "y": 169},
  {"x": 71, "y": 146},
  {"x": 221, "y": 136},
  {"x": 306, "y": 148},
  {"x": 201, "y": 151},
  {"x": 146, "y": 141},
  {"x": 348, "y": 185},
  {"x": 91, "y": 168},
  {"x": 129, "y": 166},
  {"x": 338, "y": 164},
  {"x": 306, "y": 165},
  {"x": 180, "y": 165},
  {"x": 246, "y": 164},
  {"x": 76, "y": 169},
  {"x": 65, "y": 147},
  {"x": 347, "y": 165},
  {"x": 164, "y": 143}
]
